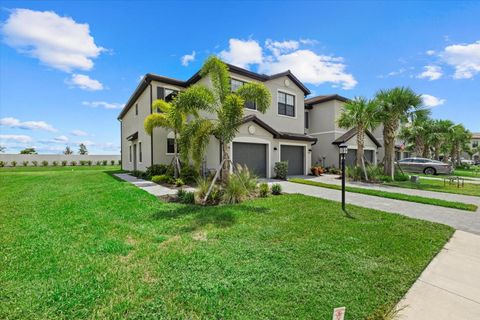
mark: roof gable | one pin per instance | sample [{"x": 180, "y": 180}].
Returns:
[{"x": 352, "y": 133}]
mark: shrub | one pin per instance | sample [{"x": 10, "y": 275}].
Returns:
[
  {"x": 401, "y": 177},
  {"x": 281, "y": 170},
  {"x": 374, "y": 172},
  {"x": 189, "y": 174},
  {"x": 98, "y": 163},
  {"x": 13, "y": 163},
  {"x": 55, "y": 163},
  {"x": 89, "y": 162},
  {"x": 215, "y": 195},
  {"x": 234, "y": 191},
  {"x": 276, "y": 189},
  {"x": 156, "y": 170},
  {"x": 105, "y": 162},
  {"x": 186, "y": 197},
  {"x": 119, "y": 162},
  {"x": 247, "y": 178},
  {"x": 83, "y": 162},
  {"x": 163, "y": 178},
  {"x": 112, "y": 162},
  {"x": 73, "y": 163},
  {"x": 354, "y": 173},
  {"x": 179, "y": 182},
  {"x": 2, "y": 164},
  {"x": 264, "y": 190},
  {"x": 333, "y": 170},
  {"x": 44, "y": 163},
  {"x": 35, "y": 163},
  {"x": 25, "y": 163},
  {"x": 64, "y": 163}
]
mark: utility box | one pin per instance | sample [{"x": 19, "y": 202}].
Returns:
[{"x": 414, "y": 179}]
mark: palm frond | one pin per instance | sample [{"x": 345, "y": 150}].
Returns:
[
  {"x": 218, "y": 72},
  {"x": 156, "y": 120},
  {"x": 258, "y": 93},
  {"x": 195, "y": 98}
]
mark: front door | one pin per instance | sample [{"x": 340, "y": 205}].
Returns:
[{"x": 135, "y": 156}]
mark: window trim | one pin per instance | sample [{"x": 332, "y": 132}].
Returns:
[
  {"x": 136, "y": 109},
  {"x": 170, "y": 153},
  {"x": 294, "y": 103},
  {"x": 130, "y": 154}
]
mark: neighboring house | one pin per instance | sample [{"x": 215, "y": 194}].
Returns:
[
  {"x": 474, "y": 145},
  {"x": 322, "y": 113},
  {"x": 400, "y": 151},
  {"x": 263, "y": 139}
]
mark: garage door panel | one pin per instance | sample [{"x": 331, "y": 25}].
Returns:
[
  {"x": 253, "y": 155},
  {"x": 295, "y": 155}
]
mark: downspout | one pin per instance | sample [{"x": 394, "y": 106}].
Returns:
[
  {"x": 121, "y": 144},
  {"x": 151, "y": 137}
]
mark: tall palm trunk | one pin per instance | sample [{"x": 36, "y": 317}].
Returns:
[
  {"x": 419, "y": 146},
  {"x": 437, "y": 151},
  {"x": 389, "y": 144},
  {"x": 360, "y": 150},
  {"x": 426, "y": 151},
  {"x": 226, "y": 162}
]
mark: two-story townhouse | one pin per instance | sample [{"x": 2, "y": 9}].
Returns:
[
  {"x": 322, "y": 113},
  {"x": 262, "y": 140}
]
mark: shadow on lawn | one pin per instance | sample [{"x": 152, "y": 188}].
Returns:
[{"x": 222, "y": 216}]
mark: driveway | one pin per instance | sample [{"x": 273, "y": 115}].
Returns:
[{"x": 458, "y": 219}]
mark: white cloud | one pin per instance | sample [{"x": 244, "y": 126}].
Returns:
[
  {"x": 307, "y": 65},
  {"x": 85, "y": 82},
  {"x": 279, "y": 47},
  {"x": 79, "y": 133},
  {"x": 242, "y": 53},
  {"x": 61, "y": 139},
  {"x": 431, "y": 73},
  {"x": 465, "y": 58},
  {"x": 432, "y": 101},
  {"x": 59, "y": 42},
  {"x": 103, "y": 104},
  {"x": 430, "y": 52},
  {"x": 311, "y": 68},
  {"x": 15, "y": 137},
  {"x": 186, "y": 59},
  {"x": 27, "y": 125}
]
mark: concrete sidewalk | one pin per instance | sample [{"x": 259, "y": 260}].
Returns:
[
  {"x": 449, "y": 288},
  {"x": 149, "y": 186}
]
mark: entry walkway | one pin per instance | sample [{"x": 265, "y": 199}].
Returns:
[
  {"x": 449, "y": 288},
  {"x": 149, "y": 186}
]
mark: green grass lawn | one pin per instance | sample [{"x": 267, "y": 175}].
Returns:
[
  {"x": 468, "y": 189},
  {"x": 82, "y": 244},
  {"x": 467, "y": 173},
  {"x": 390, "y": 195}
]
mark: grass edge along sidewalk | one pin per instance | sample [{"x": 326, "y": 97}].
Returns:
[{"x": 391, "y": 195}]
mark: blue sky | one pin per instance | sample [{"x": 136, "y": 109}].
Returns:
[{"x": 67, "y": 67}]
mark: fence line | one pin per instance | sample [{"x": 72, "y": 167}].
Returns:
[{"x": 59, "y": 159}]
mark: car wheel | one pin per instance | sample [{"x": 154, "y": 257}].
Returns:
[{"x": 430, "y": 171}]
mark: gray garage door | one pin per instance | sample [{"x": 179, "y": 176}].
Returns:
[
  {"x": 295, "y": 157},
  {"x": 351, "y": 159},
  {"x": 254, "y": 155}
]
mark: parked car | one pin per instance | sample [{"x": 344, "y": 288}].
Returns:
[
  {"x": 467, "y": 162},
  {"x": 426, "y": 166}
]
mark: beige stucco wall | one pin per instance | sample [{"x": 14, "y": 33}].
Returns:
[{"x": 19, "y": 158}]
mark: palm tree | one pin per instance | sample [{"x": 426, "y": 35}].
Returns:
[
  {"x": 459, "y": 139},
  {"x": 362, "y": 114},
  {"x": 395, "y": 106},
  {"x": 416, "y": 132},
  {"x": 173, "y": 115},
  {"x": 228, "y": 107},
  {"x": 439, "y": 135}
]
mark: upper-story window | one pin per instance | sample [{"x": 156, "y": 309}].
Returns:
[
  {"x": 286, "y": 104},
  {"x": 136, "y": 109},
  {"x": 166, "y": 94},
  {"x": 235, "y": 84}
]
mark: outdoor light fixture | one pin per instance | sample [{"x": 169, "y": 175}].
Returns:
[{"x": 343, "y": 150}]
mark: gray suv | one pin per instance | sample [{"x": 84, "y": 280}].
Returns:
[{"x": 426, "y": 166}]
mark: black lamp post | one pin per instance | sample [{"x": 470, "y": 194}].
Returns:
[{"x": 343, "y": 149}]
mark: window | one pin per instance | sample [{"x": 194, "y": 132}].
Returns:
[
  {"x": 286, "y": 104},
  {"x": 170, "y": 145},
  {"x": 166, "y": 94},
  {"x": 140, "y": 151},
  {"x": 475, "y": 144},
  {"x": 130, "y": 153},
  {"x": 136, "y": 109},
  {"x": 234, "y": 85},
  {"x": 306, "y": 120}
]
